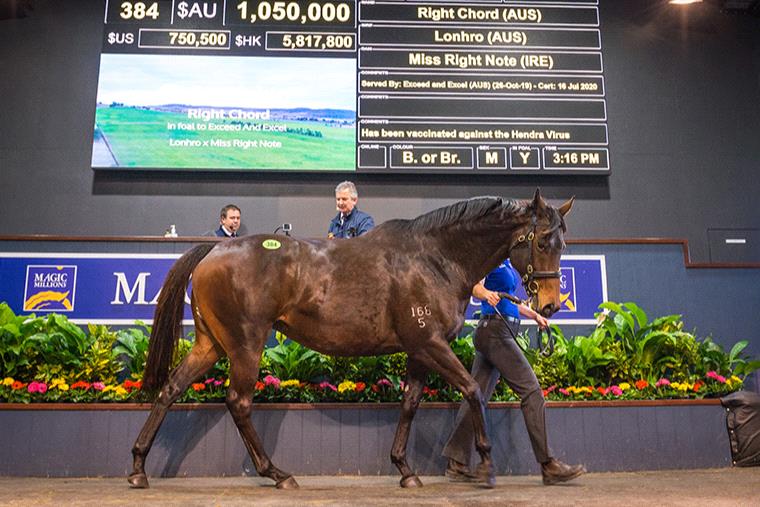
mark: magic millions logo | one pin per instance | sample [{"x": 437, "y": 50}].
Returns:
[
  {"x": 567, "y": 294},
  {"x": 50, "y": 288}
]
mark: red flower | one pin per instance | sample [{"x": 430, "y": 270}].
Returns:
[
  {"x": 375, "y": 388},
  {"x": 129, "y": 385},
  {"x": 641, "y": 384},
  {"x": 360, "y": 386},
  {"x": 697, "y": 385},
  {"x": 81, "y": 385},
  {"x": 259, "y": 385},
  {"x": 429, "y": 392},
  {"x": 199, "y": 386}
]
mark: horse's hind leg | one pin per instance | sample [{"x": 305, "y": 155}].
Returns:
[
  {"x": 202, "y": 356},
  {"x": 244, "y": 369},
  {"x": 416, "y": 374}
]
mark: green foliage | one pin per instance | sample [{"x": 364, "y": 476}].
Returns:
[
  {"x": 291, "y": 360},
  {"x": 100, "y": 362},
  {"x": 131, "y": 348},
  {"x": 658, "y": 357}
]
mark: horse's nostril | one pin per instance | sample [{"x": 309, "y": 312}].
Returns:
[{"x": 549, "y": 310}]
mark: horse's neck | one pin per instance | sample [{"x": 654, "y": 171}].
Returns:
[{"x": 479, "y": 247}]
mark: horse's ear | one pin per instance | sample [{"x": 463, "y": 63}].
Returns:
[
  {"x": 538, "y": 201},
  {"x": 565, "y": 208}
]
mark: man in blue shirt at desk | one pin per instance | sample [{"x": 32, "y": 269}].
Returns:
[{"x": 350, "y": 220}]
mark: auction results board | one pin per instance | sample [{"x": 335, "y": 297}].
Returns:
[{"x": 487, "y": 87}]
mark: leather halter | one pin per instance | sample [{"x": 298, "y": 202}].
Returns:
[{"x": 529, "y": 279}]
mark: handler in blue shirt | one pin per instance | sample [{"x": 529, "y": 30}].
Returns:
[
  {"x": 498, "y": 354},
  {"x": 350, "y": 221}
]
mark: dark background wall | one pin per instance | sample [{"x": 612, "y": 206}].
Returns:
[{"x": 683, "y": 100}]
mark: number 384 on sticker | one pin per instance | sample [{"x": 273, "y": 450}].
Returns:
[{"x": 419, "y": 313}]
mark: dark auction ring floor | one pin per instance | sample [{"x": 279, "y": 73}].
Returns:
[{"x": 713, "y": 487}]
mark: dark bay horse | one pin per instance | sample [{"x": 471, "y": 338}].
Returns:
[{"x": 401, "y": 287}]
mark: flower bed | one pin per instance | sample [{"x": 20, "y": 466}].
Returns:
[{"x": 627, "y": 357}]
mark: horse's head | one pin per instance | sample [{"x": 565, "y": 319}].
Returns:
[{"x": 536, "y": 250}]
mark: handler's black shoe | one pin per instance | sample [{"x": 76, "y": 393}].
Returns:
[
  {"x": 554, "y": 471},
  {"x": 459, "y": 472}
]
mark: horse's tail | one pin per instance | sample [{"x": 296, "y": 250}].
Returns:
[{"x": 167, "y": 322}]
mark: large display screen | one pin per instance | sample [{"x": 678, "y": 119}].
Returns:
[{"x": 352, "y": 85}]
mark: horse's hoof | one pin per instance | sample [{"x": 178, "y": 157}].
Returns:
[
  {"x": 138, "y": 481},
  {"x": 411, "y": 482},
  {"x": 288, "y": 483}
]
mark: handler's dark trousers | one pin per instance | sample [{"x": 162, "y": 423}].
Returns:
[{"x": 497, "y": 352}]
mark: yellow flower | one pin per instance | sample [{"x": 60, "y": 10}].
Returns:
[
  {"x": 624, "y": 386},
  {"x": 586, "y": 389},
  {"x": 572, "y": 389},
  {"x": 227, "y": 383},
  {"x": 734, "y": 380},
  {"x": 63, "y": 387},
  {"x": 8, "y": 381},
  {"x": 57, "y": 382},
  {"x": 121, "y": 391},
  {"x": 108, "y": 388},
  {"x": 290, "y": 383},
  {"x": 346, "y": 385}
]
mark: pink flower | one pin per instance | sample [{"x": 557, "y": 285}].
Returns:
[
  {"x": 616, "y": 390},
  {"x": 208, "y": 380},
  {"x": 217, "y": 383},
  {"x": 662, "y": 382},
  {"x": 714, "y": 375},
  {"x": 384, "y": 382},
  {"x": 98, "y": 386},
  {"x": 326, "y": 385},
  {"x": 564, "y": 391},
  {"x": 272, "y": 381},
  {"x": 37, "y": 387}
]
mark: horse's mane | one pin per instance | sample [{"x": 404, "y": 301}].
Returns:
[{"x": 461, "y": 212}]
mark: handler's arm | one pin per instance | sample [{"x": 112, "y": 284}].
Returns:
[
  {"x": 525, "y": 311},
  {"x": 480, "y": 292}
]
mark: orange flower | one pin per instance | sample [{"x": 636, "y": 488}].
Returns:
[
  {"x": 81, "y": 385},
  {"x": 360, "y": 386},
  {"x": 260, "y": 385},
  {"x": 697, "y": 385},
  {"x": 641, "y": 384},
  {"x": 199, "y": 386},
  {"x": 130, "y": 384},
  {"x": 17, "y": 385}
]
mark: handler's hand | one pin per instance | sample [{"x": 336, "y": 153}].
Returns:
[
  {"x": 493, "y": 298},
  {"x": 542, "y": 322}
]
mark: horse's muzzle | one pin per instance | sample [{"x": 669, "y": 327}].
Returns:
[{"x": 549, "y": 310}]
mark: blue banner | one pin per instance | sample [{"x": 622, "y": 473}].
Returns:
[
  {"x": 87, "y": 288},
  {"x": 122, "y": 288}
]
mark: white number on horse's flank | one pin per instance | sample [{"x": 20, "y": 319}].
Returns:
[{"x": 420, "y": 312}]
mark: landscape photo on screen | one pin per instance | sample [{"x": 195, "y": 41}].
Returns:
[{"x": 203, "y": 112}]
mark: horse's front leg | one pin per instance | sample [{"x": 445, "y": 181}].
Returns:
[
  {"x": 439, "y": 357},
  {"x": 416, "y": 373}
]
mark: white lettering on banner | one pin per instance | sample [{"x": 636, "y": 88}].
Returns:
[{"x": 122, "y": 286}]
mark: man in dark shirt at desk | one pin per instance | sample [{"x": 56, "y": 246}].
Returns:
[
  {"x": 229, "y": 222},
  {"x": 350, "y": 220}
]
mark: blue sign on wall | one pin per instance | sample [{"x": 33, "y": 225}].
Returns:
[
  {"x": 122, "y": 288},
  {"x": 87, "y": 288}
]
